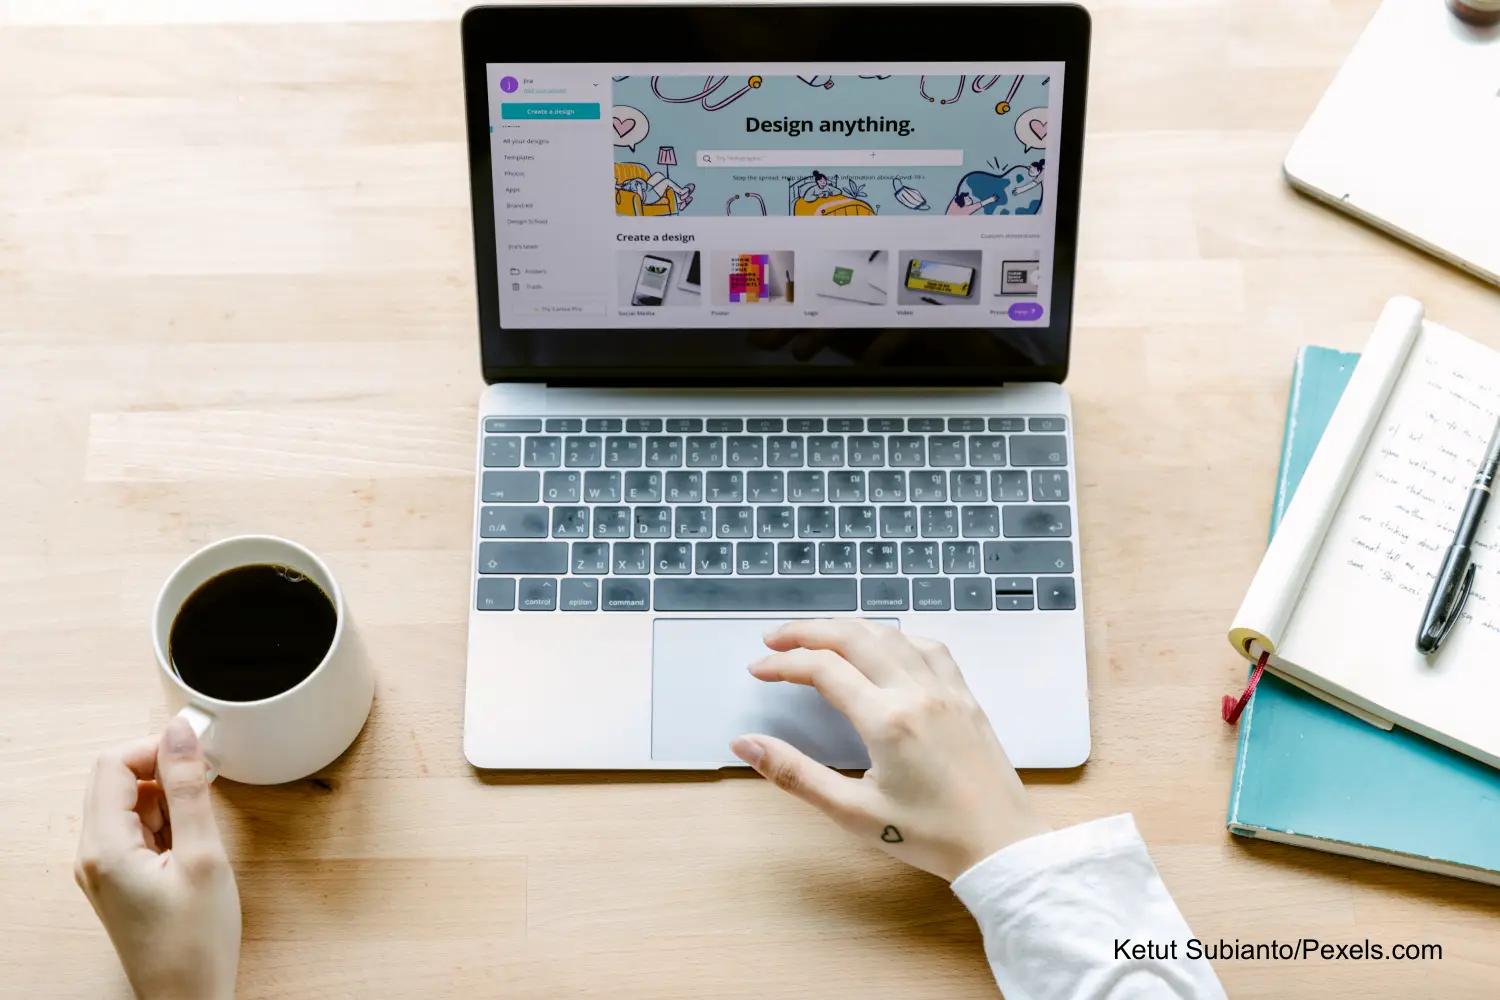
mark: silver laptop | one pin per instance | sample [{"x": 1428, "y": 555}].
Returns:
[{"x": 756, "y": 349}]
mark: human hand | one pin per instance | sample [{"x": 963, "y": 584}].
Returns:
[
  {"x": 152, "y": 864},
  {"x": 940, "y": 793}
]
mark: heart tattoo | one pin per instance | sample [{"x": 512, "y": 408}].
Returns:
[{"x": 891, "y": 835}]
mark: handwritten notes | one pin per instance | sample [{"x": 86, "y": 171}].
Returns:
[{"x": 1403, "y": 504}]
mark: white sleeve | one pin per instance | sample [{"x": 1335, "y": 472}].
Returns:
[{"x": 1081, "y": 914}]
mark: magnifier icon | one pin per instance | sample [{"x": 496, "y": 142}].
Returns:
[{"x": 707, "y": 158}]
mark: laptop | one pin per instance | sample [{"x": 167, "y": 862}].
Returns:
[{"x": 663, "y": 475}]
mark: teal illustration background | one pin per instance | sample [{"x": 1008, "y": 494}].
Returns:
[{"x": 999, "y": 175}]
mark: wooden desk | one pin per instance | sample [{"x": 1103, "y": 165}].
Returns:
[{"x": 236, "y": 295}]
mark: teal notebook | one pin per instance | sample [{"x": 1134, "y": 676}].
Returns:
[{"x": 1310, "y": 774}]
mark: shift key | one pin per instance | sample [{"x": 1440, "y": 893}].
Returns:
[
  {"x": 523, "y": 557},
  {"x": 1028, "y": 557},
  {"x": 512, "y": 487}
]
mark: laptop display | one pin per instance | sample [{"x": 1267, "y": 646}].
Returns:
[{"x": 819, "y": 210}]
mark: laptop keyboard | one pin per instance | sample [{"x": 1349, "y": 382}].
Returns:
[{"x": 692, "y": 514}]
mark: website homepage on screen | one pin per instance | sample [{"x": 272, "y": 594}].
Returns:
[{"x": 701, "y": 196}]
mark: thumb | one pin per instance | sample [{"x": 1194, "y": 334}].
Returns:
[
  {"x": 183, "y": 776},
  {"x": 793, "y": 771}
]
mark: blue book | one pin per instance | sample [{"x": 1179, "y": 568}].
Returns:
[{"x": 1312, "y": 775}]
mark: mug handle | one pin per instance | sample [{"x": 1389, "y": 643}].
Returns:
[{"x": 202, "y": 723}]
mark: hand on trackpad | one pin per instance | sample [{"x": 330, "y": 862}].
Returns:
[{"x": 702, "y": 696}]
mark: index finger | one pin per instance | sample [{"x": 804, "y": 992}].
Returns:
[
  {"x": 880, "y": 653},
  {"x": 118, "y": 768}
]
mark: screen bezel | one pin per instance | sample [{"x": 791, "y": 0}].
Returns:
[{"x": 992, "y": 33}]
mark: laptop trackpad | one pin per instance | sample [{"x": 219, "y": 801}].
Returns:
[{"x": 702, "y": 696}]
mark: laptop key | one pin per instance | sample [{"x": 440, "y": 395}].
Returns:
[
  {"x": 713, "y": 558},
  {"x": 825, "y": 452},
  {"x": 884, "y": 595},
  {"x": 1054, "y": 425},
  {"x": 726, "y": 425},
  {"x": 908, "y": 452},
  {"x": 1006, "y": 425},
  {"x": 764, "y": 425},
  {"x": 604, "y": 425},
  {"x": 734, "y": 522},
  {"x": 877, "y": 557},
  {"x": 749, "y": 593},
  {"x": 983, "y": 522},
  {"x": 612, "y": 522},
  {"x": 1008, "y": 487},
  {"x": 929, "y": 487},
  {"x": 502, "y": 452},
  {"x": 673, "y": 558},
  {"x": 513, "y": 522},
  {"x": 945, "y": 450},
  {"x": 601, "y": 487},
  {"x": 966, "y": 425},
  {"x": 931, "y": 594},
  {"x": 926, "y": 425},
  {"x": 631, "y": 558},
  {"x": 939, "y": 522},
  {"x": 845, "y": 425},
  {"x": 579, "y": 594},
  {"x": 562, "y": 487},
  {"x": 1028, "y": 557},
  {"x": 643, "y": 487},
  {"x": 622, "y": 452},
  {"x": 774, "y": 522},
  {"x": 887, "y": 425},
  {"x": 512, "y": 425},
  {"x": 695, "y": 522},
  {"x": 816, "y": 522},
  {"x": 745, "y": 452},
  {"x": 1050, "y": 486},
  {"x": 856, "y": 522},
  {"x": 570, "y": 522},
  {"x": 495, "y": 593},
  {"x": 564, "y": 425},
  {"x": 898, "y": 522},
  {"x": 684, "y": 487},
  {"x": 961, "y": 557},
  {"x": 725, "y": 487},
  {"x": 536, "y": 594},
  {"x": 643, "y": 425},
  {"x": 523, "y": 557},
  {"x": 836, "y": 558},
  {"x": 805, "y": 487},
  {"x": 846, "y": 487},
  {"x": 1038, "y": 521},
  {"x": 1011, "y": 585},
  {"x": 866, "y": 452},
  {"x": 543, "y": 452},
  {"x": 1036, "y": 449},
  {"x": 511, "y": 487},
  {"x": 986, "y": 450},
  {"x": 1014, "y": 602},
  {"x": 972, "y": 593},
  {"x": 785, "y": 452},
  {"x": 795, "y": 558},
  {"x": 685, "y": 425},
  {"x": 888, "y": 487},
  {"x": 582, "y": 452},
  {"x": 705, "y": 452},
  {"x": 624, "y": 594},
  {"x": 765, "y": 487},
  {"x": 755, "y": 558},
  {"x": 805, "y": 425},
  {"x": 968, "y": 487},
  {"x": 663, "y": 452},
  {"x": 1056, "y": 593},
  {"x": 591, "y": 558},
  {"x": 653, "y": 522},
  {"x": 919, "y": 558}
]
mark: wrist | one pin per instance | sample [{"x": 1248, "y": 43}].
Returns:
[{"x": 995, "y": 838}]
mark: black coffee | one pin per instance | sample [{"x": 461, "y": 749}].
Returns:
[{"x": 252, "y": 632}]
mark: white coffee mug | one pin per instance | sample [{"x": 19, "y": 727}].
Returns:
[{"x": 287, "y": 736}]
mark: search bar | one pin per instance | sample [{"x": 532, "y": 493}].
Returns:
[{"x": 808, "y": 158}]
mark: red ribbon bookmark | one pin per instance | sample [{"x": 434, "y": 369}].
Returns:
[{"x": 1232, "y": 708}]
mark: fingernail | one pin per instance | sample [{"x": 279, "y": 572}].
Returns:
[
  {"x": 748, "y": 750},
  {"x": 773, "y": 630},
  {"x": 179, "y": 737}
]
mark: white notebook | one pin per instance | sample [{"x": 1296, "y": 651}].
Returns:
[{"x": 1338, "y": 599}]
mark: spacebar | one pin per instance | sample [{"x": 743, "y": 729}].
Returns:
[{"x": 782, "y": 594}]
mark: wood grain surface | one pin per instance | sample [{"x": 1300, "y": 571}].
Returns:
[{"x": 236, "y": 296}]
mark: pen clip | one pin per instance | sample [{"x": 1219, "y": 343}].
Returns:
[{"x": 1454, "y": 609}]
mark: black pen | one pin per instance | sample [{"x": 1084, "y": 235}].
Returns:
[{"x": 1456, "y": 577}]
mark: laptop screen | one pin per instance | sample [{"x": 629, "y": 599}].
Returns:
[
  {"x": 696, "y": 212},
  {"x": 733, "y": 197}
]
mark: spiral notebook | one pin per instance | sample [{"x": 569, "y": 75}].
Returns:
[
  {"x": 1336, "y": 603},
  {"x": 1311, "y": 775}
]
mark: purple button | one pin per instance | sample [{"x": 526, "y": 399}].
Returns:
[
  {"x": 1024, "y": 312},
  {"x": 509, "y": 84}
]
